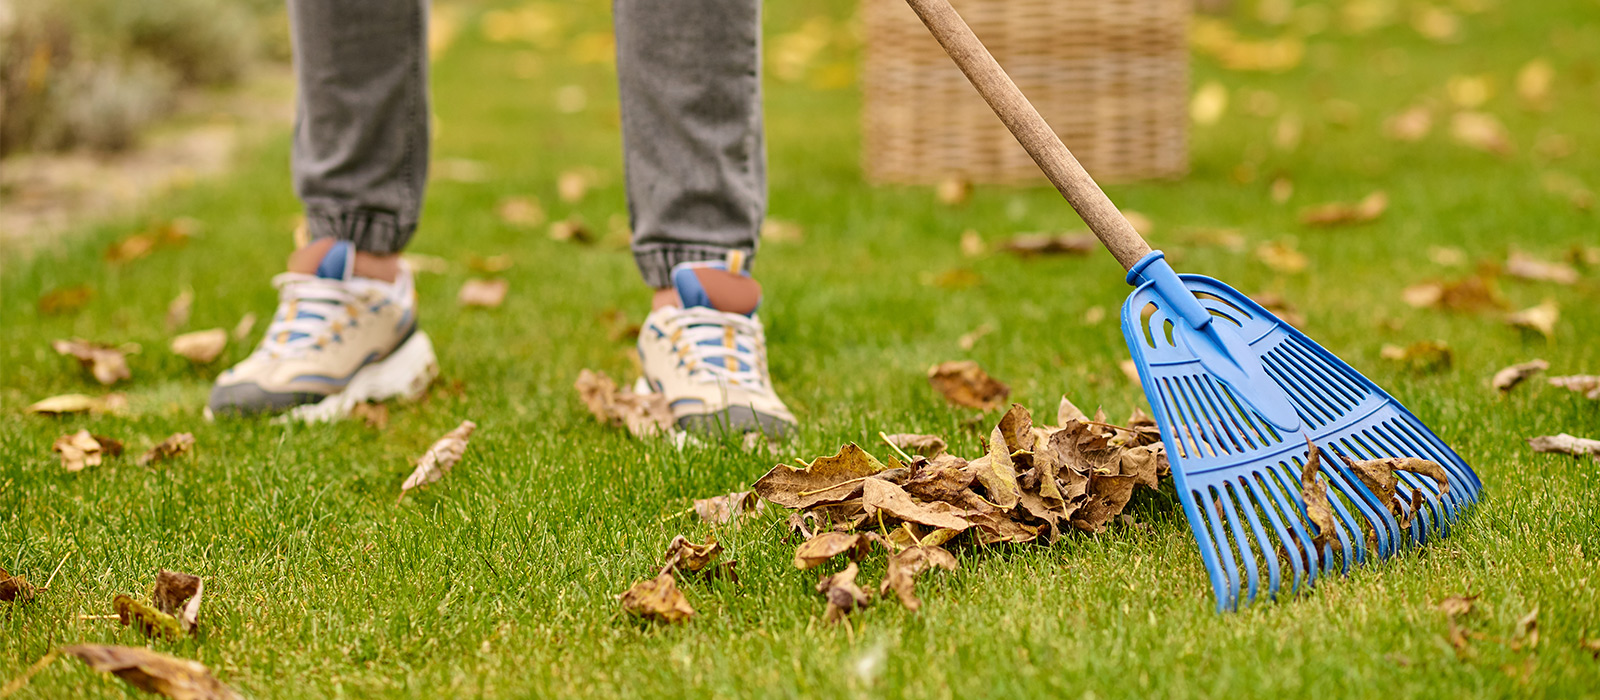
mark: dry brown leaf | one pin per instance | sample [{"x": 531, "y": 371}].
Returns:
[
  {"x": 901, "y": 576},
  {"x": 485, "y": 293},
  {"x": 178, "y": 311},
  {"x": 964, "y": 383},
  {"x": 178, "y": 594},
  {"x": 827, "y": 545},
  {"x": 64, "y": 300},
  {"x": 1530, "y": 268},
  {"x": 106, "y": 362},
  {"x": 1456, "y": 606},
  {"x": 1410, "y": 125},
  {"x": 1314, "y": 493},
  {"x": 440, "y": 457},
  {"x": 618, "y": 327},
  {"x": 79, "y": 403},
  {"x": 929, "y": 446},
  {"x": 1507, "y": 378},
  {"x": 878, "y": 495},
  {"x": 1280, "y": 307},
  {"x": 490, "y": 265},
  {"x": 1541, "y": 319},
  {"x": 1565, "y": 444},
  {"x": 1570, "y": 188},
  {"x": 15, "y": 588},
  {"x": 1282, "y": 257},
  {"x": 154, "y": 672},
  {"x": 1379, "y": 477},
  {"x": 1533, "y": 83},
  {"x": 1031, "y": 244},
  {"x": 727, "y": 508},
  {"x": 173, "y": 446},
  {"x": 1447, "y": 256},
  {"x": 1130, "y": 369},
  {"x": 1343, "y": 213},
  {"x": 644, "y": 415},
  {"x": 1586, "y": 384},
  {"x": 78, "y": 450},
  {"x": 573, "y": 230},
  {"x": 375, "y": 415},
  {"x": 1421, "y": 356},
  {"x": 657, "y": 599},
  {"x": 522, "y": 212},
  {"x": 1526, "y": 631},
  {"x": 572, "y": 185},
  {"x": 200, "y": 347},
  {"x": 1469, "y": 294},
  {"x": 1481, "y": 131},
  {"x": 683, "y": 555},
  {"x": 954, "y": 190},
  {"x": 782, "y": 231},
  {"x": 972, "y": 244},
  {"x": 997, "y": 473},
  {"x": 842, "y": 593}
]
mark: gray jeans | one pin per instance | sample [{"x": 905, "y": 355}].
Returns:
[{"x": 689, "y": 75}]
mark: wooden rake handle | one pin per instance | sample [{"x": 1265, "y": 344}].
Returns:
[{"x": 1058, "y": 163}]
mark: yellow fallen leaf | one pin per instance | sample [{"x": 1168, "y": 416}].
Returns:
[
  {"x": 201, "y": 347},
  {"x": 1534, "y": 81},
  {"x": 1436, "y": 24},
  {"x": 1481, "y": 131},
  {"x": 107, "y": 363},
  {"x": 571, "y": 229},
  {"x": 572, "y": 185},
  {"x": 1410, "y": 125},
  {"x": 1541, "y": 318},
  {"x": 79, "y": 403},
  {"x": 953, "y": 190},
  {"x": 1447, "y": 256},
  {"x": 1340, "y": 213},
  {"x": 485, "y": 293},
  {"x": 972, "y": 244},
  {"x": 1528, "y": 267},
  {"x": 1469, "y": 91},
  {"x": 1209, "y": 103},
  {"x": 154, "y": 672},
  {"x": 1282, "y": 257}
]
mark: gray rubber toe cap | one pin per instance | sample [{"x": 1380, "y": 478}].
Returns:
[
  {"x": 738, "y": 419},
  {"x": 247, "y": 399}
]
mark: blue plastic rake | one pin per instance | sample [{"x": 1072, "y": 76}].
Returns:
[{"x": 1237, "y": 393}]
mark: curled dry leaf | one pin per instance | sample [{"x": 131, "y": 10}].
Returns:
[
  {"x": 954, "y": 190},
  {"x": 1282, "y": 257},
  {"x": 904, "y": 567},
  {"x": 1508, "y": 378},
  {"x": 827, "y": 545},
  {"x": 1380, "y": 478},
  {"x": 826, "y": 480},
  {"x": 572, "y": 185},
  {"x": 178, "y": 594},
  {"x": 154, "y": 672},
  {"x": 437, "y": 461},
  {"x": 154, "y": 623},
  {"x": 1456, "y": 606},
  {"x": 571, "y": 230},
  {"x": 79, "y": 403},
  {"x": 1526, "y": 631},
  {"x": 1411, "y": 125},
  {"x": 106, "y": 362},
  {"x": 1565, "y": 444},
  {"x": 64, "y": 300},
  {"x": 485, "y": 293},
  {"x": 1031, "y": 244},
  {"x": 879, "y": 495},
  {"x": 1476, "y": 293},
  {"x": 929, "y": 446},
  {"x": 1342, "y": 213},
  {"x": 644, "y": 415},
  {"x": 1540, "y": 319},
  {"x": 1531, "y": 268},
  {"x": 657, "y": 599},
  {"x": 523, "y": 212},
  {"x": 173, "y": 446},
  {"x": 1421, "y": 356},
  {"x": 1314, "y": 493},
  {"x": 727, "y": 508},
  {"x": 1586, "y": 384},
  {"x": 200, "y": 347},
  {"x": 964, "y": 383},
  {"x": 842, "y": 593},
  {"x": 683, "y": 555},
  {"x": 1481, "y": 131},
  {"x": 78, "y": 450},
  {"x": 15, "y": 588}
]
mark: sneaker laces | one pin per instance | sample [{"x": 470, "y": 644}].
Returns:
[
  {"x": 718, "y": 345},
  {"x": 311, "y": 309}
]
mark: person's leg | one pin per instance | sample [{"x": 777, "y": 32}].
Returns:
[
  {"x": 345, "y": 330},
  {"x": 689, "y": 72}
]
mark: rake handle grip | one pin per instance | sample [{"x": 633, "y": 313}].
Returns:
[{"x": 1058, "y": 163}]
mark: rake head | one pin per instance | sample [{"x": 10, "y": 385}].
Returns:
[{"x": 1237, "y": 394}]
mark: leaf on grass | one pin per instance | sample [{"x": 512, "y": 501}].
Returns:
[
  {"x": 724, "y": 509},
  {"x": 1343, "y": 213},
  {"x": 106, "y": 362},
  {"x": 178, "y": 311},
  {"x": 657, "y": 599},
  {"x": 1586, "y": 384},
  {"x": 827, "y": 545},
  {"x": 1282, "y": 257},
  {"x": 78, "y": 450},
  {"x": 1031, "y": 244},
  {"x": 571, "y": 230},
  {"x": 154, "y": 623},
  {"x": 173, "y": 446},
  {"x": 1410, "y": 125},
  {"x": 1314, "y": 493},
  {"x": 1540, "y": 319},
  {"x": 827, "y": 480},
  {"x": 1379, "y": 477},
  {"x": 904, "y": 567},
  {"x": 490, "y": 265},
  {"x": 1510, "y": 377},
  {"x": 1476, "y": 293},
  {"x": 954, "y": 190},
  {"x": 1565, "y": 444},
  {"x": 929, "y": 446},
  {"x": 683, "y": 555},
  {"x": 1209, "y": 103},
  {"x": 79, "y": 403},
  {"x": 522, "y": 212},
  {"x": 200, "y": 347},
  {"x": 64, "y": 300},
  {"x": 15, "y": 588},
  {"x": 482, "y": 292},
  {"x": 1447, "y": 256},
  {"x": 879, "y": 495},
  {"x": 1534, "y": 81},
  {"x": 1570, "y": 188},
  {"x": 997, "y": 473},
  {"x": 1107, "y": 496},
  {"x": 1526, "y": 632},
  {"x": 842, "y": 594},
  {"x": 154, "y": 672},
  {"x": 964, "y": 383},
  {"x": 1456, "y": 606},
  {"x": 1531, "y": 268},
  {"x": 178, "y": 594},
  {"x": 1421, "y": 356},
  {"x": 781, "y": 231},
  {"x": 572, "y": 185},
  {"x": 644, "y": 415},
  {"x": 437, "y": 461},
  {"x": 970, "y": 339},
  {"x": 375, "y": 415},
  {"x": 972, "y": 244},
  {"x": 1481, "y": 131}
]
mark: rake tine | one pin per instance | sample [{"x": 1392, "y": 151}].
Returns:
[
  {"x": 1345, "y": 526},
  {"x": 1385, "y": 530},
  {"x": 1246, "y": 502},
  {"x": 1466, "y": 484},
  {"x": 1241, "y": 541},
  {"x": 1260, "y": 491},
  {"x": 1294, "y": 509},
  {"x": 1208, "y": 551},
  {"x": 1435, "y": 503},
  {"x": 1219, "y": 536}
]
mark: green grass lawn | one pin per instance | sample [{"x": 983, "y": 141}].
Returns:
[{"x": 501, "y": 580}]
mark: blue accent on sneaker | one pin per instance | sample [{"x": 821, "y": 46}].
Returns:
[{"x": 338, "y": 262}]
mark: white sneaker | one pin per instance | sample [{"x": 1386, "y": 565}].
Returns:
[
  {"x": 336, "y": 340},
  {"x": 708, "y": 357}
]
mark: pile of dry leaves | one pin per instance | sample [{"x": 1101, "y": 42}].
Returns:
[{"x": 1031, "y": 482}]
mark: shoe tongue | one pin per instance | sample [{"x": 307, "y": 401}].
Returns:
[
  {"x": 712, "y": 285},
  {"x": 338, "y": 263}
]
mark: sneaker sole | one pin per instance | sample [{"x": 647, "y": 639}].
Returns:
[
  {"x": 738, "y": 419},
  {"x": 405, "y": 374}
]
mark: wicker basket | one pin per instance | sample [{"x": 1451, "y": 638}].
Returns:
[{"x": 1111, "y": 76}]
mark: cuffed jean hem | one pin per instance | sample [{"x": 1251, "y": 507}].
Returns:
[
  {"x": 656, "y": 262},
  {"x": 376, "y": 232}
]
